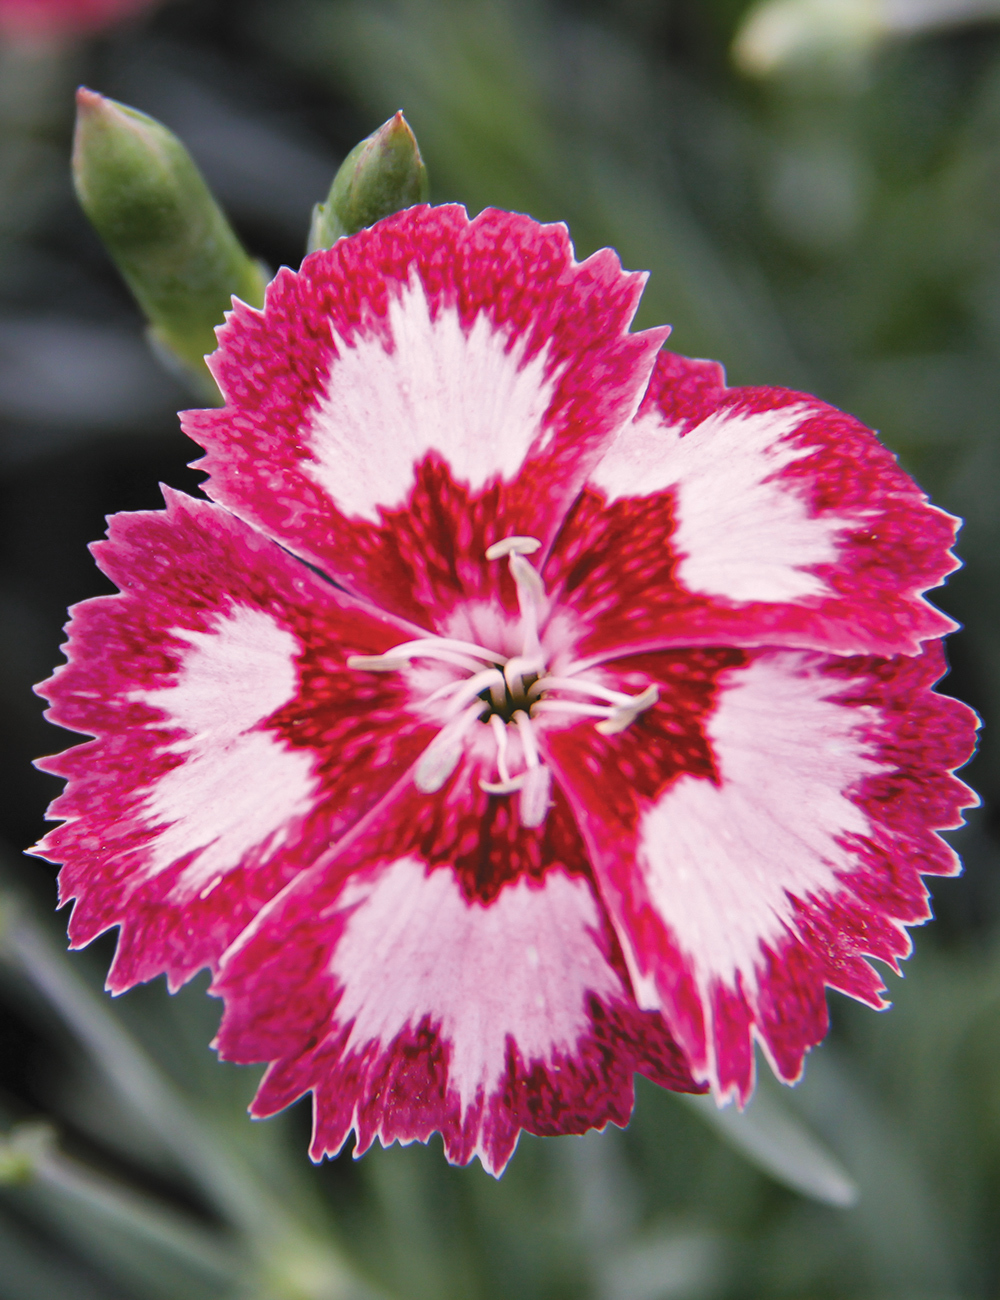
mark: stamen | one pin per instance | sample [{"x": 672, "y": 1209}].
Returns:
[
  {"x": 506, "y": 785},
  {"x": 530, "y": 588},
  {"x": 510, "y": 786},
  {"x": 535, "y": 796},
  {"x": 513, "y": 546},
  {"x": 474, "y": 686},
  {"x": 442, "y": 755},
  {"x": 467, "y": 688},
  {"x": 500, "y": 736},
  {"x": 574, "y": 706},
  {"x": 534, "y": 784},
  {"x": 517, "y": 668},
  {"x": 614, "y": 718},
  {"x": 463, "y": 654},
  {"x": 530, "y": 600},
  {"x": 377, "y": 663},
  {"x": 432, "y": 644},
  {"x": 518, "y": 689},
  {"x": 528, "y": 740},
  {"x": 624, "y": 717},
  {"x": 581, "y": 688}
]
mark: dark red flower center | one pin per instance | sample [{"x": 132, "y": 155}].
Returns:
[{"x": 512, "y": 694}]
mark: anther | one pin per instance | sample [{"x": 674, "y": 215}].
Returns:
[
  {"x": 625, "y": 715},
  {"x": 511, "y": 786},
  {"x": 513, "y": 546},
  {"x": 613, "y": 717},
  {"x": 377, "y": 663}
]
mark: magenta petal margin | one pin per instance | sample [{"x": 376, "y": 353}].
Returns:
[{"x": 524, "y": 710}]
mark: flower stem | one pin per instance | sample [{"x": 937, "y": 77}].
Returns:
[
  {"x": 29, "y": 1154},
  {"x": 298, "y": 1265}
]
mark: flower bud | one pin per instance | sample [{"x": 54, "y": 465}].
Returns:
[
  {"x": 382, "y": 174},
  {"x": 778, "y": 35},
  {"x": 165, "y": 232}
]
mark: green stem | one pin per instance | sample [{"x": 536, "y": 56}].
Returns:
[
  {"x": 31, "y": 1154},
  {"x": 286, "y": 1251}
]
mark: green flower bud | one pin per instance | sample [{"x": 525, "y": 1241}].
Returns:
[
  {"x": 778, "y": 36},
  {"x": 381, "y": 175},
  {"x": 165, "y": 232}
]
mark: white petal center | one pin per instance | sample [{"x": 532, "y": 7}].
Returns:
[{"x": 424, "y": 383}]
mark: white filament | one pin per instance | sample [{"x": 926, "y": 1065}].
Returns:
[
  {"x": 442, "y": 755},
  {"x": 500, "y": 736},
  {"x": 534, "y": 799}
]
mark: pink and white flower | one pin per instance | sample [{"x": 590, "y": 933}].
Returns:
[
  {"x": 59, "y": 19},
  {"x": 524, "y": 710}
]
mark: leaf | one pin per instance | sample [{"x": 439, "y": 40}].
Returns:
[{"x": 777, "y": 1142}]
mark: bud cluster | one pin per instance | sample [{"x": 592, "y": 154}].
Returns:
[{"x": 173, "y": 244}]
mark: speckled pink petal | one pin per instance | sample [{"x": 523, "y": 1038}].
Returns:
[
  {"x": 430, "y": 350},
  {"x": 761, "y": 833},
  {"x": 750, "y": 516},
  {"x": 231, "y": 743},
  {"x": 446, "y": 971}
]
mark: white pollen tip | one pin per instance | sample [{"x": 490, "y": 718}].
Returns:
[
  {"x": 625, "y": 715},
  {"x": 503, "y": 787},
  {"x": 535, "y": 796},
  {"x": 513, "y": 546},
  {"x": 646, "y": 700},
  {"x": 612, "y": 726},
  {"x": 377, "y": 663},
  {"x": 436, "y": 765}
]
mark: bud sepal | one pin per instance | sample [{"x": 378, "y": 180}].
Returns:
[
  {"x": 380, "y": 176},
  {"x": 164, "y": 230}
]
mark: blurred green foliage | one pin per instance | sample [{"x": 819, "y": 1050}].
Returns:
[{"x": 835, "y": 228}]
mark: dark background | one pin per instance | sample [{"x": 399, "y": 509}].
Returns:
[{"x": 835, "y": 227}]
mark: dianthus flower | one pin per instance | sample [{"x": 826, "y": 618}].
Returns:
[
  {"x": 525, "y": 709},
  {"x": 34, "y": 19}
]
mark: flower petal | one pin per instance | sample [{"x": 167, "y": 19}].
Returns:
[
  {"x": 449, "y": 970},
  {"x": 428, "y": 344},
  {"x": 750, "y": 516},
  {"x": 775, "y": 846},
  {"x": 232, "y": 744}
]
